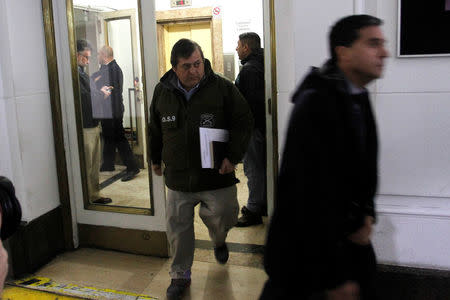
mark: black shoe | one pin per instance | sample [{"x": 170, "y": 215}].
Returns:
[
  {"x": 177, "y": 288},
  {"x": 102, "y": 200},
  {"x": 130, "y": 175},
  {"x": 248, "y": 218},
  {"x": 221, "y": 254},
  {"x": 104, "y": 168}
]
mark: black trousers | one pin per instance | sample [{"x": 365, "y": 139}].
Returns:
[
  {"x": 356, "y": 263},
  {"x": 360, "y": 265},
  {"x": 114, "y": 137}
]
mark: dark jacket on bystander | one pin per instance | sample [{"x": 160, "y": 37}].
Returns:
[{"x": 326, "y": 187}]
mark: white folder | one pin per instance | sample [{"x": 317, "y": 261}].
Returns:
[{"x": 207, "y": 136}]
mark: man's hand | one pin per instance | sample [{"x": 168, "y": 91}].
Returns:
[
  {"x": 362, "y": 236},
  {"x": 157, "y": 169},
  {"x": 106, "y": 90},
  {"x": 347, "y": 291},
  {"x": 226, "y": 167}
]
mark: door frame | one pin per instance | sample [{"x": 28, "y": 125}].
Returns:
[
  {"x": 78, "y": 115},
  {"x": 190, "y": 16},
  {"x": 130, "y": 14},
  {"x": 270, "y": 65},
  {"x": 67, "y": 187},
  {"x": 57, "y": 123},
  {"x": 147, "y": 232},
  {"x": 126, "y": 14}
]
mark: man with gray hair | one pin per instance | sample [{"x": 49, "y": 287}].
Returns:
[
  {"x": 188, "y": 97},
  {"x": 91, "y": 128}
]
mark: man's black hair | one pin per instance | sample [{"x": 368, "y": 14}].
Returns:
[
  {"x": 183, "y": 48},
  {"x": 346, "y": 31},
  {"x": 251, "y": 39},
  {"x": 83, "y": 45}
]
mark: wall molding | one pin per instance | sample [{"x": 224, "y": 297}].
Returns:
[
  {"x": 419, "y": 206},
  {"x": 394, "y": 282},
  {"x": 35, "y": 243},
  {"x": 135, "y": 241}
]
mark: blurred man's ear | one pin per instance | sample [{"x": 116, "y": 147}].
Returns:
[{"x": 342, "y": 53}]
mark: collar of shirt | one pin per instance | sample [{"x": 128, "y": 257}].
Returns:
[
  {"x": 104, "y": 66},
  {"x": 353, "y": 89},
  {"x": 187, "y": 94}
]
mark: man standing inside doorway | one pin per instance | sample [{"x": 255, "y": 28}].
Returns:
[
  {"x": 110, "y": 75},
  {"x": 91, "y": 128},
  {"x": 250, "y": 83},
  {"x": 328, "y": 175},
  {"x": 188, "y": 97}
]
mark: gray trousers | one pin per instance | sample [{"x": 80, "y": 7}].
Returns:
[
  {"x": 255, "y": 167},
  {"x": 219, "y": 210}
]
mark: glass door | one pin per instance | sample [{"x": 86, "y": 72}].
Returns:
[
  {"x": 119, "y": 204},
  {"x": 112, "y": 105}
]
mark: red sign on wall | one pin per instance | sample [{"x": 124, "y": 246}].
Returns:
[
  {"x": 216, "y": 11},
  {"x": 180, "y": 3}
]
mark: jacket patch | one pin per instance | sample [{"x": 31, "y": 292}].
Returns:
[
  {"x": 168, "y": 119},
  {"x": 207, "y": 120}
]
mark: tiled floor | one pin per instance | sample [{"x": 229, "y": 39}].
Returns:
[
  {"x": 133, "y": 193},
  {"x": 149, "y": 275}
]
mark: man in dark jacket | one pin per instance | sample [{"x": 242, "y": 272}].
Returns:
[
  {"x": 328, "y": 175},
  {"x": 188, "y": 97},
  {"x": 250, "y": 83},
  {"x": 110, "y": 75},
  {"x": 91, "y": 129}
]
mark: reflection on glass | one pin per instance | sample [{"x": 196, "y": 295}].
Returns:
[{"x": 112, "y": 105}]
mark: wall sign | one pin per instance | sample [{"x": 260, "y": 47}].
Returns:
[
  {"x": 423, "y": 28},
  {"x": 180, "y": 3},
  {"x": 217, "y": 12},
  {"x": 243, "y": 26}
]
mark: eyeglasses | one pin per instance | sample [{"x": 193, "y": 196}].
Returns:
[{"x": 187, "y": 66}]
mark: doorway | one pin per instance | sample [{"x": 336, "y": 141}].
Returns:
[
  {"x": 197, "y": 31},
  {"x": 198, "y": 24},
  {"x": 216, "y": 29},
  {"x": 104, "y": 224},
  {"x": 117, "y": 28}
]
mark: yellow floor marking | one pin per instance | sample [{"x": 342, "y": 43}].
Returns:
[
  {"x": 17, "y": 293},
  {"x": 84, "y": 292}
]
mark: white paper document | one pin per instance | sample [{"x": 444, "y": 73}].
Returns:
[{"x": 207, "y": 137}]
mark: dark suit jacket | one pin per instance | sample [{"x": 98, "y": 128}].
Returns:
[
  {"x": 86, "y": 99},
  {"x": 111, "y": 75},
  {"x": 250, "y": 82}
]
